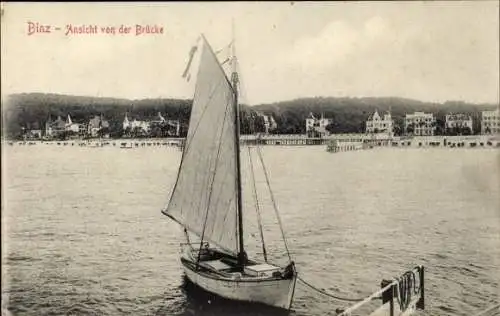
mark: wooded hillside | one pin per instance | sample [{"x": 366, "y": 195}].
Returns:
[{"x": 31, "y": 111}]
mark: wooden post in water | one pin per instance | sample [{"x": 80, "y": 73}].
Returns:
[{"x": 388, "y": 295}]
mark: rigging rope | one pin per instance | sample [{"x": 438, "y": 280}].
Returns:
[
  {"x": 256, "y": 200},
  {"x": 251, "y": 122},
  {"x": 259, "y": 152},
  {"x": 274, "y": 202},
  {"x": 329, "y": 294},
  {"x": 405, "y": 286}
]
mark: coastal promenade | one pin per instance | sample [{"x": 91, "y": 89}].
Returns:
[
  {"x": 349, "y": 142},
  {"x": 105, "y": 142},
  {"x": 335, "y": 142},
  {"x": 283, "y": 140}
]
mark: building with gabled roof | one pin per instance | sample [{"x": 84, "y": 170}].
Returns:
[
  {"x": 157, "y": 124},
  {"x": 74, "y": 128},
  {"x": 317, "y": 127},
  {"x": 269, "y": 122},
  {"x": 54, "y": 128},
  {"x": 376, "y": 124},
  {"x": 96, "y": 125}
]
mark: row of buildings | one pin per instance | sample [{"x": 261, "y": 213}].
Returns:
[
  {"x": 137, "y": 127},
  {"x": 92, "y": 128},
  {"x": 416, "y": 124},
  {"x": 58, "y": 127},
  {"x": 98, "y": 126}
]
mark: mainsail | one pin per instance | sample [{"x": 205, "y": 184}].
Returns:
[{"x": 204, "y": 199}]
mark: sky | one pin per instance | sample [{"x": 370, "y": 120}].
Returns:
[{"x": 429, "y": 51}]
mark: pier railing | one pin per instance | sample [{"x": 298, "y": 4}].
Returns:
[{"x": 401, "y": 296}]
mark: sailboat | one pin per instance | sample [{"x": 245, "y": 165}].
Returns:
[{"x": 207, "y": 197}]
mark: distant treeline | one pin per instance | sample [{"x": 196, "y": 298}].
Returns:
[
  {"x": 29, "y": 111},
  {"x": 32, "y": 110}
]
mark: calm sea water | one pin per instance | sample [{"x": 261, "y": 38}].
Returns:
[{"x": 82, "y": 232}]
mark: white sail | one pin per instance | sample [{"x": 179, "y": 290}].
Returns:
[{"x": 204, "y": 199}]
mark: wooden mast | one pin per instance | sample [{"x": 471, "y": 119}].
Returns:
[{"x": 242, "y": 257}]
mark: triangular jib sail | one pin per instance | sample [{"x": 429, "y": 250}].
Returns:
[{"x": 204, "y": 199}]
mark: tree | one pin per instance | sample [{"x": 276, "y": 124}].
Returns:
[
  {"x": 115, "y": 129},
  {"x": 397, "y": 130},
  {"x": 127, "y": 131},
  {"x": 63, "y": 135},
  {"x": 410, "y": 129},
  {"x": 259, "y": 125},
  {"x": 439, "y": 126},
  {"x": 103, "y": 131},
  {"x": 156, "y": 130}
]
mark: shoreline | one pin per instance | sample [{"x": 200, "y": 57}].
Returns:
[{"x": 340, "y": 141}]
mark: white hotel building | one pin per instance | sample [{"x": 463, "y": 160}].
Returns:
[
  {"x": 420, "y": 124},
  {"x": 490, "y": 122},
  {"x": 458, "y": 121}
]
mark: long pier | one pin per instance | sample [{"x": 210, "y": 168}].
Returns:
[{"x": 283, "y": 140}]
